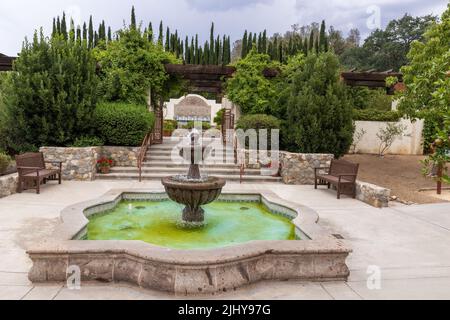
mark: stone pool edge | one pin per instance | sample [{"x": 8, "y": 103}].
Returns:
[{"x": 320, "y": 258}]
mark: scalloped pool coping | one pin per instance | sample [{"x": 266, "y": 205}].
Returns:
[{"x": 317, "y": 257}]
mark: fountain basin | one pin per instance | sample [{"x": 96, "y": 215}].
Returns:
[
  {"x": 317, "y": 257},
  {"x": 193, "y": 195}
]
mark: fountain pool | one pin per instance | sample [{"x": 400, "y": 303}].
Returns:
[{"x": 158, "y": 223}]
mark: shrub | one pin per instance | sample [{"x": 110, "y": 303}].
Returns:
[
  {"x": 5, "y": 160},
  {"x": 376, "y": 115},
  {"x": 191, "y": 125},
  {"x": 365, "y": 98},
  {"x": 170, "y": 125},
  {"x": 52, "y": 94},
  {"x": 319, "y": 116},
  {"x": 218, "y": 119},
  {"x": 258, "y": 122},
  {"x": 88, "y": 142},
  {"x": 123, "y": 124}
]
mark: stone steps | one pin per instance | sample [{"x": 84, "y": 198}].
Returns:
[
  {"x": 184, "y": 169},
  {"x": 158, "y": 176}
]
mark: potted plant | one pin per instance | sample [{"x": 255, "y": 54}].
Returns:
[
  {"x": 169, "y": 127},
  {"x": 104, "y": 165}
]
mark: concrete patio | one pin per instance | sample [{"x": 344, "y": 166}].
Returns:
[{"x": 410, "y": 245}]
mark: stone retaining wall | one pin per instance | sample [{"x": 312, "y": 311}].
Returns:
[
  {"x": 298, "y": 168},
  {"x": 8, "y": 185},
  {"x": 122, "y": 156},
  {"x": 372, "y": 194},
  {"x": 78, "y": 163}
]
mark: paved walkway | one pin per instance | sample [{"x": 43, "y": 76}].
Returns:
[{"x": 410, "y": 245}]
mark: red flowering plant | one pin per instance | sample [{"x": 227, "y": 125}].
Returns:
[{"x": 105, "y": 163}]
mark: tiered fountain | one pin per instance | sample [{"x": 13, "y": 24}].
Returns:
[{"x": 193, "y": 190}]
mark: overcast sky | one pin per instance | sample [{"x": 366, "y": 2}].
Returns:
[{"x": 19, "y": 18}]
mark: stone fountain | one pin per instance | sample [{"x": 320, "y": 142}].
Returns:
[{"x": 193, "y": 190}]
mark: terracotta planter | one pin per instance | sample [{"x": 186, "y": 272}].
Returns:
[
  {"x": 167, "y": 133},
  {"x": 105, "y": 170}
]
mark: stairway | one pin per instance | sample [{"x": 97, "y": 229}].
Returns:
[{"x": 162, "y": 160}]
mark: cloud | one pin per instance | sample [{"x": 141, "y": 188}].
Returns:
[{"x": 218, "y": 5}]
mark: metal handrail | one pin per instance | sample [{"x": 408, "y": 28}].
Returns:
[
  {"x": 239, "y": 154},
  {"x": 148, "y": 141}
]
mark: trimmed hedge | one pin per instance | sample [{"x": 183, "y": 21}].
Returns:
[
  {"x": 123, "y": 124},
  {"x": 258, "y": 121},
  {"x": 376, "y": 115}
]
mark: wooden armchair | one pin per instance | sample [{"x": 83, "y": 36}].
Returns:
[{"x": 33, "y": 171}]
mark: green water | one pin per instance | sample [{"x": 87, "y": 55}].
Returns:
[{"x": 227, "y": 224}]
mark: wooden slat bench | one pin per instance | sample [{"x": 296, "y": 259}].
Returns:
[
  {"x": 33, "y": 171},
  {"x": 341, "y": 174}
]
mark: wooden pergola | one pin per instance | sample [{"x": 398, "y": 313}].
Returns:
[
  {"x": 6, "y": 62},
  {"x": 370, "y": 79}
]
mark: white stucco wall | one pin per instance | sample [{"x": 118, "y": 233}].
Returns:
[
  {"x": 169, "y": 113},
  {"x": 410, "y": 144}
]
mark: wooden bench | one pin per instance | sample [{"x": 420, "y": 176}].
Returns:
[
  {"x": 341, "y": 174},
  {"x": 33, "y": 171}
]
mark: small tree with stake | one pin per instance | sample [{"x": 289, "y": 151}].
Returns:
[{"x": 440, "y": 157}]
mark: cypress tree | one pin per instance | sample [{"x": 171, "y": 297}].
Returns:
[
  {"x": 72, "y": 31},
  {"x": 58, "y": 26},
  {"x": 305, "y": 46},
  {"x": 133, "y": 19},
  {"x": 254, "y": 41},
  {"x": 167, "y": 46},
  {"x": 250, "y": 42},
  {"x": 218, "y": 52},
  {"x": 91, "y": 34},
  {"x": 311, "y": 41},
  {"x": 197, "y": 53},
  {"x": 323, "y": 37},
  {"x": 228, "y": 50},
  {"x": 187, "y": 51},
  {"x": 280, "y": 52},
  {"x": 275, "y": 49},
  {"x": 206, "y": 53},
  {"x": 264, "y": 41},
  {"x": 84, "y": 31},
  {"x": 64, "y": 26},
  {"x": 192, "y": 58},
  {"x": 160, "y": 37},
  {"x": 150, "y": 32},
  {"x": 96, "y": 40},
  {"x": 260, "y": 43},
  {"x": 244, "y": 45},
  {"x": 224, "y": 50},
  {"x": 211, "y": 46},
  {"x": 109, "y": 34},
  {"x": 79, "y": 36},
  {"x": 54, "y": 30}
]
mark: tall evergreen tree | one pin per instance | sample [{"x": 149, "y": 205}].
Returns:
[
  {"x": 58, "y": 25},
  {"x": 211, "y": 45},
  {"x": 53, "y": 94},
  {"x": 161, "y": 35},
  {"x": 109, "y": 34},
  {"x": 264, "y": 41},
  {"x": 91, "y": 33},
  {"x": 150, "y": 32},
  {"x": 64, "y": 26},
  {"x": 187, "y": 51},
  {"x": 72, "y": 31},
  {"x": 79, "y": 36},
  {"x": 323, "y": 38},
  {"x": 84, "y": 31},
  {"x": 133, "y": 19},
  {"x": 54, "y": 30},
  {"x": 244, "y": 45},
  {"x": 197, "y": 53},
  {"x": 311, "y": 41},
  {"x": 167, "y": 46}
]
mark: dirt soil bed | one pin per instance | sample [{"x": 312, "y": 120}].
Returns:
[{"x": 401, "y": 174}]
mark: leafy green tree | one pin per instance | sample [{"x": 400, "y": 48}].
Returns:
[
  {"x": 319, "y": 113},
  {"x": 427, "y": 79},
  {"x": 131, "y": 66},
  {"x": 249, "y": 88},
  {"x": 52, "y": 94}
]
